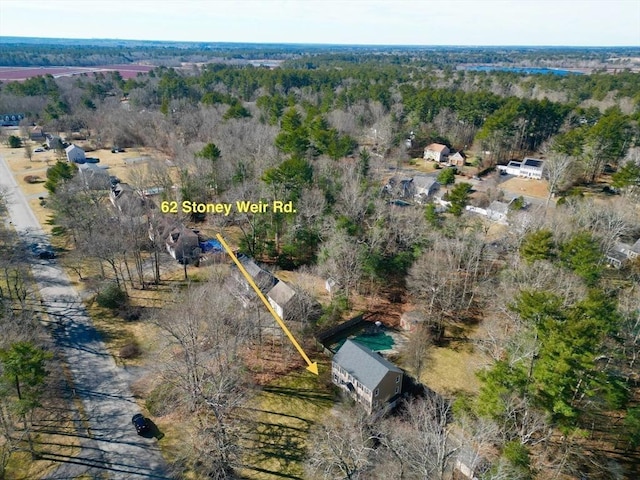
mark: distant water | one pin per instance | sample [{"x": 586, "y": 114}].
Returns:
[{"x": 528, "y": 70}]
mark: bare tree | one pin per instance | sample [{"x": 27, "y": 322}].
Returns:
[
  {"x": 421, "y": 438},
  {"x": 559, "y": 169},
  {"x": 341, "y": 448},
  {"x": 341, "y": 259},
  {"x": 445, "y": 278},
  {"x": 204, "y": 333}
]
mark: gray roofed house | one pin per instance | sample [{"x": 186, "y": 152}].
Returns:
[
  {"x": 75, "y": 154},
  {"x": 498, "y": 211},
  {"x": 264, "y": 279},
  {"x": 94, "y": 177},
  {"x": 183, "y": 244},
  {"x": 424, "y": 186},
  {"x": 369, "y": 378},
  {"x": 621, "y": 253},
  {"x": 129, "y": 201},
  {"x": 53, "y": 142},
  {"x": 281, "y": 297}
]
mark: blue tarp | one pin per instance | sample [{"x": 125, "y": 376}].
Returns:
[{"x": 210, "y": 245}]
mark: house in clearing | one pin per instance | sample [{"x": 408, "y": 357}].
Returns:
[
  {"x": 528, "y": 168},
  {"x": 183, "y": 244},
  {"x": 75, "y": 154},
  {"x": 458, "y": 159},
  {"x": 622, "y": 253},
  {"x": 53, "y": 142},
  {"x": 94, "y": 177},
  {"x": 436, "y": 152},
  {"x": 366, "y": 376},
  {"x": 424, "y": 186},
  {"x": 282, "y": 298},
  {"x": 129, "y": 201},
  {"x": 263, "y": 279},
  {"x": 498, "y": 211},
  {"x": 37, "y": 134}
]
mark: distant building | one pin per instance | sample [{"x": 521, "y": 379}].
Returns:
[
  {"x": 366, "y": 376},
  {"x": 94, "y": 177},
  {"x": 458, "y": 159},
  {"x": 11, "y": 119},
  {"x": 75, "y": 154},
  {"x": 498, "y": 211},
  {"x": 436, "y": 152},
  {"x": 528, "y": 168},
  {"x": 54, "y": 142},
  {"x": 37, "y": 134}
]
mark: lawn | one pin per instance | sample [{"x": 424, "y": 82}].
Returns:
[{"x": 284, "y": 412}]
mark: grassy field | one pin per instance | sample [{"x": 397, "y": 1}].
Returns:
[{"x": 284, "y": 412}]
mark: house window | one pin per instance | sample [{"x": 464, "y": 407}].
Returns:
[
  {"x": 397, "y": 389},
  {"x": 376, "y": 392},
  {"x": 398, "y": 379}
]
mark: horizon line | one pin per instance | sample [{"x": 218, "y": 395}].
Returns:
[{"x": 318, "y": 44}]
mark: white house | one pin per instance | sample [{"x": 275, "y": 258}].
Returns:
[
  {"x": 74, "y": 153},
  {"x": 498, "y": 211},
  {"x": 532, "y": 168},
  {"x": 528, "y": 168},
  {"x": 436, "y": 152},
  {"x": 281, "y": 298}
]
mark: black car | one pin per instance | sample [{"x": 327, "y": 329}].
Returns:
[
  {"x": 140, "y": 423},
  {"x": 43, "y": 251}
]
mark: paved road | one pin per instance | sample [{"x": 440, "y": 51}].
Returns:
[{"x": 111, "y": 447}]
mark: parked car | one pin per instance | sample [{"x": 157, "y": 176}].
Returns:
[
  {"x": 43, "y": 251},
  {"x": 140, "y": 423},
  {"x": 39, "y": 149},
  {"x": 117, "y": 150}
]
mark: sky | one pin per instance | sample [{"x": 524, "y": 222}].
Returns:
[{"x": 361, "y": 22}]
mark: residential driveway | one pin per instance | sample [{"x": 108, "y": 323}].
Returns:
[{"x": 111, "y": 447}]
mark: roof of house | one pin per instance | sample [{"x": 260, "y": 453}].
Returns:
[
  {"x": 514, "y": 163},
  {"x": 456, "y": 155},
  {"x": 436, "y": 147},
  {"x": 498, "y": 207},
  {"x": 636, "y": 247},
  {"x": 72, "y": 147},
  {"x": 183, "y": 240},
  {"x": 281, "y": 293},
  {"x": 532, "y": 162},
  {"x": 92, "y": 168},
  {"x": 617, "y": 255},
  {"x": 364, "y": 364},
  {"x": 263, "y": 278},
  {"x": 424, "y": 181}
]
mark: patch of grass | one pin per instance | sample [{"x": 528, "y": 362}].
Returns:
[
  {"x": 450, "y": 369},
  {"x": 285, "y": 410}
]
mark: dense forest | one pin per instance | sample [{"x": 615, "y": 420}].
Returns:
[{"x": 557, "y": 326}]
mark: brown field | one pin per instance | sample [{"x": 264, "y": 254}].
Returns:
[
  {"x": 526, "y": 187},
  {"x": 18, "y": 74}
]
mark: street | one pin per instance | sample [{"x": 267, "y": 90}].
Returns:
[{"x": 110, "y": 446}]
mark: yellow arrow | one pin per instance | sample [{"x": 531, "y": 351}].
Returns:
[{"x": 312, "y": 366}]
